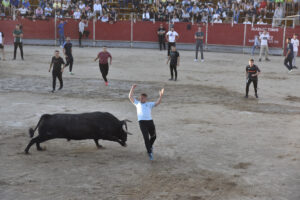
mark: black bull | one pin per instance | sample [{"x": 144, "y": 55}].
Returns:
[{"x": 96, "y": 125}]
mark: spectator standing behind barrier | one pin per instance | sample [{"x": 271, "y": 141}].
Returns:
[
  {"x": 2, "y": 45},
  {"x": 82, "y": 24},
  {"x": 288, "y": 61},
  {"x": 161, "y": 37},
  {"x": 18, "y": 36},
  {"x": 264, "y": 37},
  {"x": 295, "y": 43},
  {"x": 199, "y": 36},
  {"x": 171, "y": 36},
  {"x": 61, "y": 32},
  {"x": 256, "y": 44}
]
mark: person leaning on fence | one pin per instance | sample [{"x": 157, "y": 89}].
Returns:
[
  {"x": 264, "y": 37},
  {"x": 82, "y": 31},
  {"x": 18, "y": 41},
  {"x": 255, "y": 45}
]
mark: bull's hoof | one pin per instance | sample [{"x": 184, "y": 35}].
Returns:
[
  {"x": 124, "y": 144},
  {"x": 26, "y": 152},
  {"x": 100, "y": 147},
  {"x": 41, "y": 149}
]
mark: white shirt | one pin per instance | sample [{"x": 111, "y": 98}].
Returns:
[
  {"x": 146, "y": 15},
  {"x": 144, "y": 110},
  {"x": 81, "y": 6},
  {"x": 97, "y": 7},
  {"x": 218, "y": 21},
  {"x": 1, "y": 38},
  {"x": 261, "y": 23},
  {"x": 248, "y": 22},
  {"x": 295, "y": 44},
  {"x": 264, "y": 39},
  {"x": 77, "y": 15},
  {"x": 81, "y": 26},
  {"x": 23, "y": 11},
  {"x": 172, "y": 36}
]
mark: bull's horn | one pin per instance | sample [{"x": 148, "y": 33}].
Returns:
[{"x": 127, "y": 120}]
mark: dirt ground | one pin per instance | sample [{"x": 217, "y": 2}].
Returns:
[{"x": 212, "y": 143}]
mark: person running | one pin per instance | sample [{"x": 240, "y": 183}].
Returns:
[
  {"x": 161, "y": 36},
  {"x": 103, "y": 63},
  {"x": 68, "y": 54},
  {"x": 295, "y": 43},
  {"x": 171, "y": 36},
  {"x": 199, "y": 36},
  {"x": 18, "y": 36},
  {"x": 264, "y": 37},
  {"x": 288, "y": 61},
  {"x": 252, "y": 72},
  {"x": 174, "y": 59},
  {"x": 2, "y": 45},
  {"x": 143, "y": 108},
  {"x": 57, "y": 71},
  {"x": 255, "y": 45},
  {"x": 61, "y": 32}
]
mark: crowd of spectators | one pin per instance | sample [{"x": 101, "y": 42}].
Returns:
[{"x": 224, "y": 11}]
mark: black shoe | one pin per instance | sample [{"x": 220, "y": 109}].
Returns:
[
  {"x": 268, "y": 59},
  {"x": 60, "y": 88},
  {"x": 256, "y": 96},
  {"x": 246, "y": 96},
  {"x": 14, "y": 59},
  {"x": 22, "y": 58},
  {"x": 52, "y": 91},
  {"x": 259, "y": 60},
  {"x": 171, "y": 79},
  {"x": 175, "y": 79},
  {"x": 294, "y": 67}
]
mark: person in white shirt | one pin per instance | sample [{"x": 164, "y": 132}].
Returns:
[
  {"x": 48, "y": 11},
  {"x": 146, "y": 15},
  {"x": 2, "y": 45},
  {"x": 23, "y": 11},
  {"x": 104, "y": 18},
  {"x": 81, "y": 5},
  {"x": 264, "y": 37},
  {"x": 82, "y": 24},
  {"x": 146, "y": 123},
  {"x": 261, "y": 22},
  {"x": 170, "y": 8},
  {"x": 174, "y": 19},
  {"x": 171, "y": 36},
  {"x": 98, "y": 8},
  {"x": 295, "y": 43},
  {"x": 77, "y": 14},
  {"x": 246, "y": 21},
  {"x": 218, "y": 20}
]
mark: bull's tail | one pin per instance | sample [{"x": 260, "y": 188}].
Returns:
[{"x": 31, "y": 130}]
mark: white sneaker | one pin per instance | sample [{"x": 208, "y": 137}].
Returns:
[
  {"x": 196, "y": 60},
  {"x": 202, "y": 60},
  {"x": 290, "y": 71}
]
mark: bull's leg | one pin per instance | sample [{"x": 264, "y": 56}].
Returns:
[
  {"x": 39, "y": 148},
  {"x": 32, "y": 141},
  {"x": 97, "y": 144}
]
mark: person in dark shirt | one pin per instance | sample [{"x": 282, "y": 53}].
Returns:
[
  {"x": 252, "y": 72},
  {"x": 57, "y": 71},
  {"x": 199, "y": 36},
  {"x": 68, "y": 54},
  {"x": 288, "y": 61},
  {"x": 103, "y": 63},
  {"x": 174, "y": 62},
  {"x": 18, "y": 37},
  {"x": 161, "y": 36}
]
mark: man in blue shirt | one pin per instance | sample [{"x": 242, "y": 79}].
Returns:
[
  {"x": 146, "y": 123},
  {"x": 61, "y": 32}
]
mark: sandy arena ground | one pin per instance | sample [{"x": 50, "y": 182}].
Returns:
[{"x": 212, "y": 143}]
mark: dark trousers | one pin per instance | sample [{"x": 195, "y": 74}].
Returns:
[
  {"x": 57, "y": 74},
  {"x": 69, "y": 60},
  {"x": 254, "y": 84},
  {"x": 16, "y": 45},
  {"x": 148, "y": 129},
  {"x": 86, "y": 33},
  {"x": 199, "y": 45},
  {"x": 104, "y": 70},
  {"x": 161, "y": 40},
  {"x": 169, "y": 46},
  {"x": 288, "y": 62},
  {"x": 173, "y": 68}
]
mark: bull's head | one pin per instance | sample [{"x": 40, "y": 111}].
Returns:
[{"x": 124, "y": 131}]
